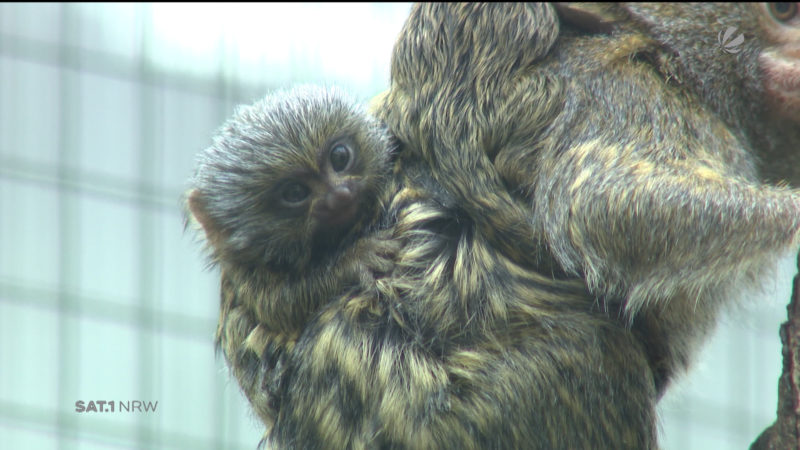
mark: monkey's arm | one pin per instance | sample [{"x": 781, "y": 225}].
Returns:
[
  {"x": 254, "y": 353},
  {"x": 262, "y": 314},
  {"x": 651, "y": 229}
]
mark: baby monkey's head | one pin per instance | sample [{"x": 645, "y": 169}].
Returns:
[{"x": 290, "y": 179}]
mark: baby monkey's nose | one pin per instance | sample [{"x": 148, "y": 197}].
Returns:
[{"x": 339, "y": 197}]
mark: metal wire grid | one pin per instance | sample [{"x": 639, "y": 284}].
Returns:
[
  {"x": 102, "y": 296},
  {"x": 96, "y": 278}
]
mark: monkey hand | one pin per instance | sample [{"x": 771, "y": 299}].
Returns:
[{"x": 377, "y": 258}]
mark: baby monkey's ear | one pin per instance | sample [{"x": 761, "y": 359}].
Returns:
[{"x": 197, "y": 208}]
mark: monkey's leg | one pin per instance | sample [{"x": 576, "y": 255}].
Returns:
[
  {"x": 255, "y": 356},
  {"x": 456, "y": 138},
  {"x": 254, "y": 353},
  {"x": 458, "y": 148},
  {"x": 665, "y": 244},
  {"x": 445, "y": 44},
  {"x": 455, "y": 68}
]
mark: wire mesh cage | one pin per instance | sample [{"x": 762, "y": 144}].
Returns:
[{"x": 105, "y": 300}]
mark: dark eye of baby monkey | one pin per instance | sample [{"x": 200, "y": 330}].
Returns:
[
  {"x": 294, "y": 193},
  {"x": 783, "y": 12},
  {"x": 340, "y": 157}
]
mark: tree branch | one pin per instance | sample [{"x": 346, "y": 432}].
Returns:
[{"x": 785, "y": 432}]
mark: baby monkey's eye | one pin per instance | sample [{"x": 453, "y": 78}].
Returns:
[
  {"x": 783, "y": 12},
  {"x": 294, "y": 193},
  {"x": 340, "y": 157}
]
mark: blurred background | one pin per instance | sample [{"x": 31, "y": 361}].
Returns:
[{"x": 103, "y": 296}]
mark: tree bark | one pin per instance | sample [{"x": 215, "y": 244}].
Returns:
[{"x": 785, "y": 432}]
